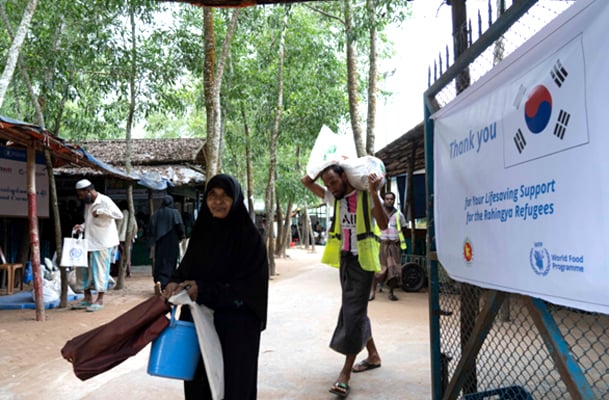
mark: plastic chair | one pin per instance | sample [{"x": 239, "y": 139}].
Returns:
[
  {"x": 506, "y": 393},
  {"x": 11, "y": 269}
]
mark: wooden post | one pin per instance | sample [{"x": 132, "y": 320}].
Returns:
[{"x": 34, "y": 238}]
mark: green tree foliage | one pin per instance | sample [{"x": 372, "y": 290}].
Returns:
[
  {"x": 314, "y": 94},
  {"x": 77, "y": 55}
]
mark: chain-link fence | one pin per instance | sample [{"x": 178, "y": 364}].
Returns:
[
  {"x": 538, "y": 16},
  {"x": 513, "y": 358},
  {"x": 513, "y": 352}
]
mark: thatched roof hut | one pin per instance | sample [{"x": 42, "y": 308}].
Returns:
[{"x": 179, "y": 161}]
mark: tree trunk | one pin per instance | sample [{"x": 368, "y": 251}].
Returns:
[
  {"x": 248, "y": 165},
  {"x": 286, "y": 237},
  {"x": 372, "y": 80},
  {"x": 63, "y": 302},
  {"x": 212, "y": 142},
  {"x": 279, "y": 249},
  {"x": 212, "y": 83},
  {"x": 269, "y": 232},
  {"x": 15, "y": 50},
  {"x": 352, "y": 81},
  {"x": 120, "y": 281},
  {"x": 275, "y": 131},
  {"x": 307, "y": 232}
]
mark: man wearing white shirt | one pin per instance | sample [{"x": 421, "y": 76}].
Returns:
[
  {"x": 101, "y": 236},
  {"x": 392, "y": 244}
]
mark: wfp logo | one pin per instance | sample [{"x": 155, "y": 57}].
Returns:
[
  {"x": 548, "y": 112},
  {"x": 539, "y": 258}
]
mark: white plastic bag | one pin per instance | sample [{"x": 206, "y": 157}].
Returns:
[
  {"x": 358, "y": 169},
  {"x": 209, "y": 342},
  {"x": 330, "y": 148},
  {"x": 74, "y": 252},
  {"x": 75, "y": 280},
  {"x": 51, "y": 289}
]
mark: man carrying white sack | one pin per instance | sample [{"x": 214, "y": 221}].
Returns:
[
  {"x": 353, "y": 248},
  {"x": 101, "y": 236}
]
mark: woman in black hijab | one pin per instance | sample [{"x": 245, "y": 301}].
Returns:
[
  {"x": 226, "y": 267},
  {"x": 166, "y": 230}
]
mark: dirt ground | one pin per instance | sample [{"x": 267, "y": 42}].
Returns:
[{"x": 295, "y": 360}]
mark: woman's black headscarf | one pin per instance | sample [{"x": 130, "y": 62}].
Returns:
[
  {"x": 164, "y": 220},
  {"x": 226, "y": 256}
]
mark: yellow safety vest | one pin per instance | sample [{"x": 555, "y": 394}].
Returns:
[
  {"x": 403, "y": 244},
  {"x": 367, "y": 240}
]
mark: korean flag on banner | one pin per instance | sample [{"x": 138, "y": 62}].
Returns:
[{"x": 546, "y": 111}]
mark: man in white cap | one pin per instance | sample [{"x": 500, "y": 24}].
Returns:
[{"x": 101, "y": 236}]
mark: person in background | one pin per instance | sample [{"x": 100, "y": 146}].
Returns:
[
  {"x": 101, "y": 236},
  {"x": 226, "y": 268},
  {"x": 353, "y": 248},
  {"x": 392, "y": 244},
  {"x": 166, "y": 229},
  {"x": 189, "y": 221},
  {"x": 122, "y": 225}
]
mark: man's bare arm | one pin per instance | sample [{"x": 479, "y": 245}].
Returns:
[
  {"x": 315, "y": 188},
  {"x": 378, "y": 211}
]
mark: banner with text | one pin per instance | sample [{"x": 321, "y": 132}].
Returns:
[
  {"x": 521, "y": 173},
  {"x": 13, "y": 184}
]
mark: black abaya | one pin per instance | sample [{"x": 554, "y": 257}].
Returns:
[
  {"x": 228, "y": 260},
  {"x": 165, "y": 231}
]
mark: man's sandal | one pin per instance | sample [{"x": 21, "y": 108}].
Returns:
[
  {"x": 94, "y": 307},
  {"x": 81, "y": 305},
  {"x": 340, "y": 389}
]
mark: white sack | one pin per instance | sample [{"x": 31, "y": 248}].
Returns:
[
  {"x": 358, "y": 169},
  {"x": 329, "y": 148}
]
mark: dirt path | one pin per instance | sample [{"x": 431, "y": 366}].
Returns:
[{"x": 295, "y": 360}]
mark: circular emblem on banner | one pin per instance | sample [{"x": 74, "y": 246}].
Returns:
[
  {"x": 468, "y": 251},
  {"x": 538, "y": 109},
  {"x": 539, "y": 258}
]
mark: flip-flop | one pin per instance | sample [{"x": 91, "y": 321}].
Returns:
[
  {"x": 94, "y": 307},
  {"x": 364, "y": 366},
  {"x": 340, "y": 389},
  {"x": 81, "y": 305}
]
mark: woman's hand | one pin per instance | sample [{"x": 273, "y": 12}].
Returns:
[
  {"x": 192, "y": 289},
  {"x": 170, "y": 289},
  {"x": 190, "y": 286}
]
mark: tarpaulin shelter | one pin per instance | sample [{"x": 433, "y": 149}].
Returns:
[{"x": 21, "y": 135}]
